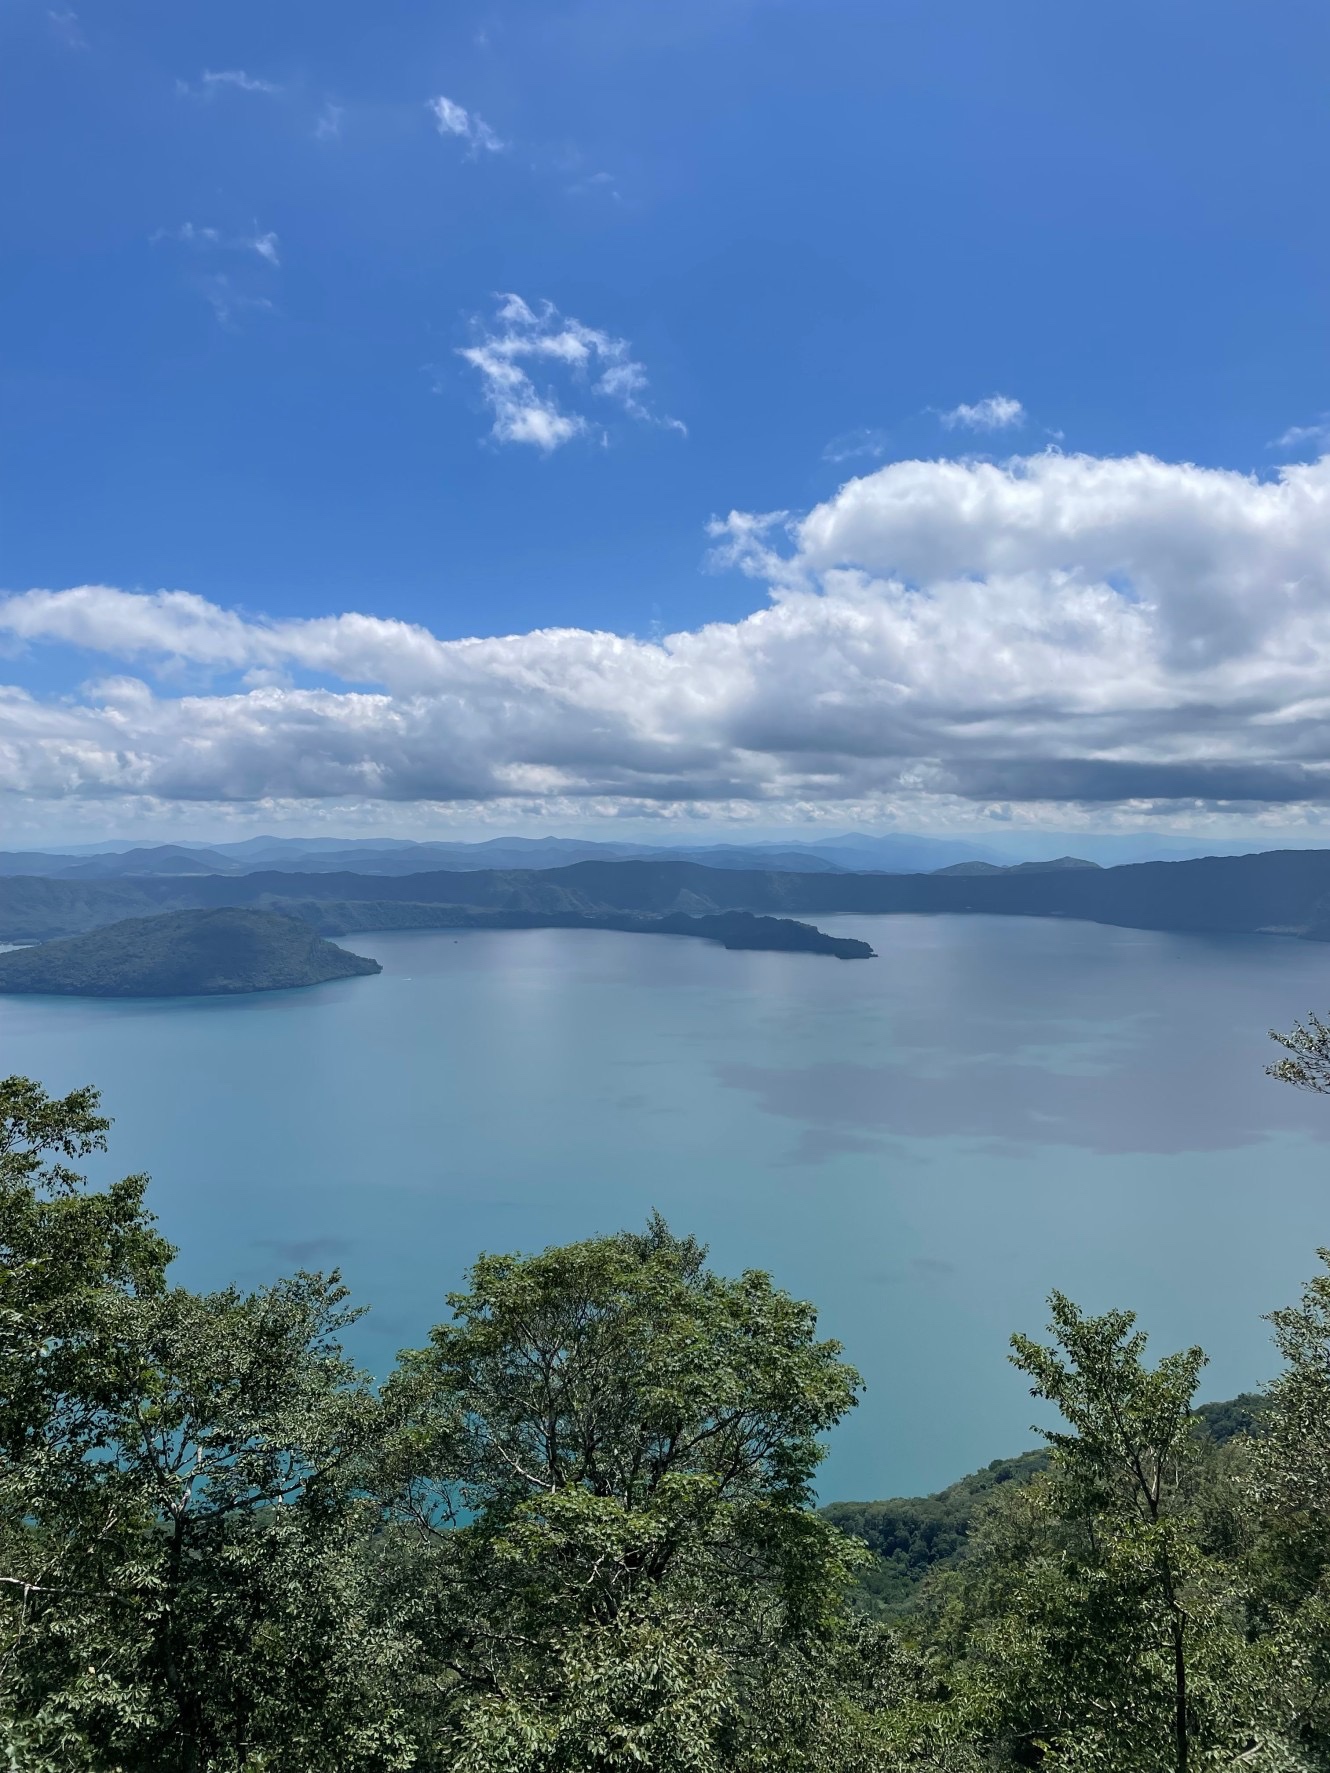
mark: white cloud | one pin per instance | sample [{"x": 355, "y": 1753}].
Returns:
[
  {"x": 601, "y": 184},
  {"x": 227, "y": 298},
  {"x": 66, "y": 23},
  {"x": 228, "y": 302},
  {"x": 1304, "y": 437},
  {"x": 1055, "y": 634},
  {"x": 190, "y": 234},
  {"x": 451, "y": 119},
  {"x": 865, "y": 442},
  {"x": 329, "y": 124},
  {"x": 265, "y": 245},
  {"x": 521, "y": 344},
  {"x": 236, "y": 79},
  {"x": 997, "y": 412}
]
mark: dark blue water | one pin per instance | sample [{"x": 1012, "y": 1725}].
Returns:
[{"x": 924, "y": 1144}]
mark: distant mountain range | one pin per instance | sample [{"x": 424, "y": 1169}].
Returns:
[
  {"x": 1281, "y": 891},
  {"x": 896, "y": 855},
  {"x": 849, "y": 852}
]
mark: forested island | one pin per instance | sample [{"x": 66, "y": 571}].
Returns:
[{"x": 576, "y": 1530}]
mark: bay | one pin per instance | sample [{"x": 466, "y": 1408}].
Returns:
[{"x": 924, "y": 1144}]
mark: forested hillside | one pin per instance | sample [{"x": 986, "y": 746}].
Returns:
[{"x": 914, "y": 1537}]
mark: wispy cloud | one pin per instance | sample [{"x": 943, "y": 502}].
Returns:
[
  {"x": 228, "y": 298},
  {"x": 530, "y": 360},
  {"x": 229, "y": 303},
  {"x": 864, "y": 442},
  {"x": 213, "y": 239},
  {"x": 596, "y": 184},
  {"x": 996, "y": 412},
  {"x": 66, "y": 22},
  {"x": 1301, "y": 437},
  {"x": 453, "y": 119},
  {"x": 214, "y": 80},
  {"x": 329, "y": 124}
]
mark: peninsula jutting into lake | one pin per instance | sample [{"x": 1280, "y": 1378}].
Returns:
[
  {"x": 229, "y": 950},
  {"x": 183, "y": 954}
]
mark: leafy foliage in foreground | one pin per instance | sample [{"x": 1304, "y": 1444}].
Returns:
[{"x": 575, "y": 1533}]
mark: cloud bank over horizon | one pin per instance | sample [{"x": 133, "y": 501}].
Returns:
[{"x": 1053, "y": 638}]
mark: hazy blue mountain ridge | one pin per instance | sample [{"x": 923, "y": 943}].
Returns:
[{"x": 401, "y": 856}]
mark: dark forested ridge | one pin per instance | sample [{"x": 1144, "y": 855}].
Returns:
[
  {"x": 183, "y": 954},
  {"x": 1279, "y": 891}
]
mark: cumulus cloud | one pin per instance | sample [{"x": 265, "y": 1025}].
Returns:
[
  {"x": 996, "y": 412},
  {"x": 532, "y": 360},
  {"x": 1056, "y": 633},
  {"x": 452, "y": 119}
]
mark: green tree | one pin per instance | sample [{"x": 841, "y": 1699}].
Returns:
[
  {"x": 1308, "y": 1064},
  {"x": 612, "y": 1450},
  {"x": 188, "y": 1576},
  {"x": 1289, "y": 1565},
  {"x": 1087, "y": 1627},
  {"x": 1121, "y": 1465},
  {"x": 70, "y": 1261},
  {"x": 243, "y": 1437}
]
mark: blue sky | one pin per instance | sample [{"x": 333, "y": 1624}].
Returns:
[{"x": 246, "y": 247}]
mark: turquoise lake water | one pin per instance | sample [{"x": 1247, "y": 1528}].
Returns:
[{"x": 924, "y": 1144}]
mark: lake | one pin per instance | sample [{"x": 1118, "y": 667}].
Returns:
[{"x": 924, "y": 1144}]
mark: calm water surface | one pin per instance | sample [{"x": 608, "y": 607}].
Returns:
[{"x": 924, "y": 1144}]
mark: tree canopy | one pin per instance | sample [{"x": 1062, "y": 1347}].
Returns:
[{"x": 576, "y": 1530}]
